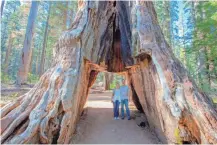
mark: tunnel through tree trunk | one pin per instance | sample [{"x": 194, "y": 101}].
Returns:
[{"x": 175, "y": 108}]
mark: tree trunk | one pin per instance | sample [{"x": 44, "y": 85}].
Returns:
[
  {"x": 8, "y": 53},
  {"x": 27, "y": 50},
  {"x": 167, "y": 21},
  {"x": 203, "y": 67},
  {"x": 193, "y": 6},
  {"x": 44, "y": 43},
  {"x": 174, "y": 106},
  {"x": 108, "y": 77},
  {"x": 37, "y": 65},
  {"x": 2, "y": 6},
  {"x": 65, "y": 14}
]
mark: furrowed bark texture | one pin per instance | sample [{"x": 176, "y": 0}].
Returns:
[
  {"x": 49, "y": 112},
  {"x": 45, "y": 43},
  {"x": 26, "y": 55},
  {"x": 108, "y": 78},
  {"x": 173, "y": 104},
  {"x": 8, "y": 52},
  {"x": 117, "y": 36}
]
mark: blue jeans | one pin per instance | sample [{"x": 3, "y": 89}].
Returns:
[
  {"x": 116, "y": 108},
  {"x": 125, "y": 103}
]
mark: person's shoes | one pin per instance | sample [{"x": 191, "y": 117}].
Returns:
[
  {"x": 117, "y": 118},
  {"x": 122, "y": 118},
  {"x": 129, "y": 118}
]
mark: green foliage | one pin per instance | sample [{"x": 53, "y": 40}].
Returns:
[
  {"x": 14, "y": 21},
  {"x": 14, "y": 95},
  {"x": 193, "y": 35},
  {"x": 100, "y": 77},
  {"x": 5, "y": 78},
  {"x": 117, "y": 78},
  {"x": 32, "y": 78},
  {"x": 205, "y": 44},
  {"x": 112, "y": 86},
  {"x": 188, "y": 26},
  {"x": 163, "y": 14}
]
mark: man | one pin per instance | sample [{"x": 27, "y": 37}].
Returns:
[{"x": 124, "y": 89}]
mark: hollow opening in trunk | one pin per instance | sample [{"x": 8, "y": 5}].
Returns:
[
  {"x": 98, "y": 105},
  {"x": 101, "y": 86},
  {"x": 114, "y": 58},
  {"x": 118, "y": 54}
]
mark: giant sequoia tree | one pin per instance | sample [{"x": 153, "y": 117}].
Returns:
[{"x": 115, "y": 36}]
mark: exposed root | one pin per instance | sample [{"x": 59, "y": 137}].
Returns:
[
  {"x": 16, "y": 116},
  {"x": 65, "y": 126},
  {"x": 18, "y": 130},
  {"x": 49, "y": 108},
  {"x": 45, "y": 135},
  {"x": 7, "y": 108}
]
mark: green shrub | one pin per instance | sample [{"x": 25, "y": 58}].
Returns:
[
  {"x": 112, "y": 85},
  {"x": 32, "y": 78},
  {"x": 5, "y": 78}
]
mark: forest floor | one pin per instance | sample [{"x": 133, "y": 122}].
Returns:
[
  {"x": 97, "y": 125},
  {"x": 11, "y": 92}
]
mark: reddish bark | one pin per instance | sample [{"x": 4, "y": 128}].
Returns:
[{"x": 175, "y": 108}]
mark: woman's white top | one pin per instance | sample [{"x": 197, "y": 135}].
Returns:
[{"x": 117, "y": 95}]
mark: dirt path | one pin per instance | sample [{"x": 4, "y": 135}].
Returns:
[{"x": 98, "y": 126}]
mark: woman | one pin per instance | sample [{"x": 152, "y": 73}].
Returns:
[{"x": 116, "y": 101}]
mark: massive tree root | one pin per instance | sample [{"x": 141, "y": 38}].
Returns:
[
  {"x": 50, "y": 109},
  {"x": 177, "y": 110},
  {"x": 116, "y": 36},
  {"x": 48, "y": 113}
]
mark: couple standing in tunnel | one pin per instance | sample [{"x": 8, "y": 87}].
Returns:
[{"x": 120, "y": 96}]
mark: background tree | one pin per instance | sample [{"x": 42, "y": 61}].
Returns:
[
  {"x": 14, "y": 19},
  {"x": 108, "y": 78},
  {"x": 26, "y": 54},
  {"x": 163, "y": 12},
  {"x": 169, "y": 97},
  {"x": 174, "y": 14},
  {"x": 204, "y": 41},
  {"x": 45, "y": 43},
  {"x": 187, "y": 24},
  {"x": 2, "y": 6}
]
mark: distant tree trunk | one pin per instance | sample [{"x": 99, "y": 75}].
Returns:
[
  {"x": 27, "y": 50},
  {"x": 193, "y": 5},
  {"x": 183, "y": 55},
  {"x": 8, "y": 52},
  {"x": 108, "y": 77},
  {"x": 69, "y": 15},
  {"x": 44, "y": 43},
  {"x": 176, "y": 110},
  {"x": 204, "y": 76},
  {"x": 37, "y": 65},
  {"x": 2, "y": 6},
  {"x": 30, "y": 66},
  {"x": 65, "y": 14},
  {"x": 167, "y": 21},
  {"x": 203, "y": 66}
]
